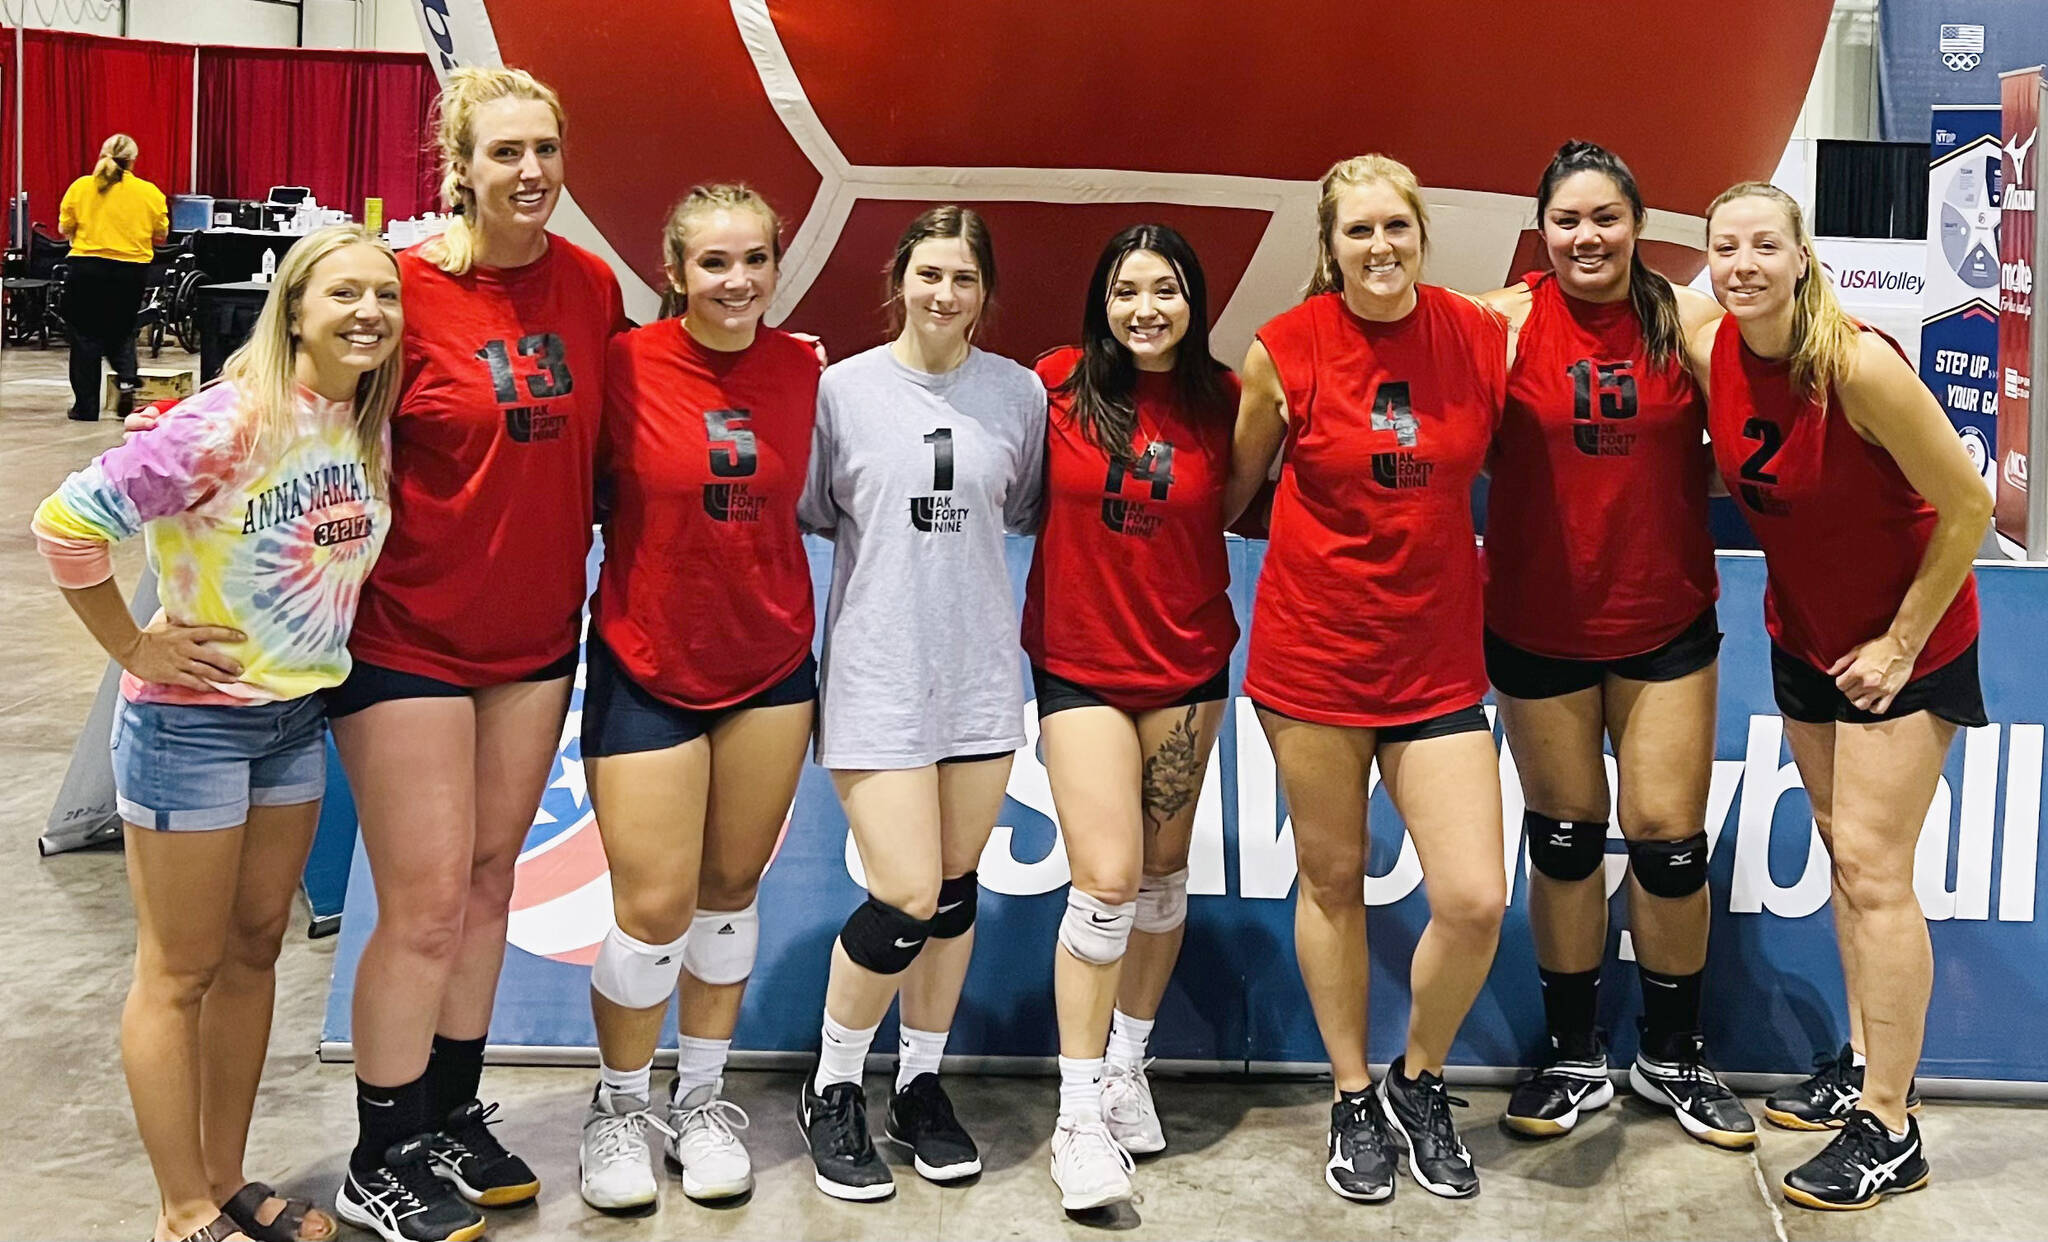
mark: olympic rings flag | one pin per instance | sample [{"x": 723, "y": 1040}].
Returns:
[{"x": 1063, "y": 122}]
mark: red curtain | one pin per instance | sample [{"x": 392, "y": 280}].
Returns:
[
  {"x": 347, "y": 125},
  {"x": 77, "y": 89},
  {"x": 7, "y": 135}
]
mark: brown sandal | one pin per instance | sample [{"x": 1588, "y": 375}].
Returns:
[
  {"x": 220, "y": 1229},
  {"x": 247, "y": 1202}
]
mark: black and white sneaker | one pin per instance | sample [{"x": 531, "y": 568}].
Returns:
[
  {"x": 1824, "y": 1099},
  {"x": 1681, "y": 1081},
  {"x": 469, "y": 1157},
  {"x": 1418, "y": 1114},
  {"x": 402, "y": 1201},
  {"x": 1361, "y": 1165},
  {"x": 1860, "y": 1165},
  {"x": 921, "y": 1118},
  {"x": 1550, "y": 1102},
  {"x": 835, "y": 1124}
]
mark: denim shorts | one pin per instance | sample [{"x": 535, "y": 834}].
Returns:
[{"x": 195, "y": 768}]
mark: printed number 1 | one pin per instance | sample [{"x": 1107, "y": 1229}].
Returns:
[{"x": 942, "y": 459}]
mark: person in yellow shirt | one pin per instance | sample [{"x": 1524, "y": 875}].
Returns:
[{"x": 114, "y": 219}]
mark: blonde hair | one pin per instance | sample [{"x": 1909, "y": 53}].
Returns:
[
  {"x": 1824, "y": 335},
  {"x": 467, "y": 90},
  {"x": 1347, "y": 174},
  {"x": 721, "y": 196},
  {"x": 117, "y": 156},
  {"x": 264, "y": 370}
]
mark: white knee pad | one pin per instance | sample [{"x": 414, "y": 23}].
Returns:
[
  {"x": 633, "y": 974},
  {"x": 1162, "y": 902},
  {"x": 1093, "y": 930},
  {"x": 720, "y": 945}
]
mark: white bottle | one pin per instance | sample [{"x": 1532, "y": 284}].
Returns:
[{"x": 269, "y": 266}]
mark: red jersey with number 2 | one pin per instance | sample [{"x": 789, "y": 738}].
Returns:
[
  {"x": 1842, "y": 531},
  {"x": 1597, "y": 545},
  {"x": 1368, "y": 608},
  {"x": 482, "y": 580},
  {"x": 705, "y": 595},
  {"x": 1129, "y": 593}
]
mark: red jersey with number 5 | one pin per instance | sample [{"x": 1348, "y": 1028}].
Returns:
[
  {"x": 1597, "y": 545},
  {"x": 705, "y": 595},
  {"x": 1129, "y": 593},
  {"x": 482, "y": 580},
  {"x": 1842, "y": 531},
  {"x": 1368, "y": 609}
]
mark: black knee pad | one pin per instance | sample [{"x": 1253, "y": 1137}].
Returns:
[
  {"x": 882, "y": 938},
  {"x": 1670, "y": 868},
  {"x": 1564, "y": 849},
  {"x": 957, "y": 899}
]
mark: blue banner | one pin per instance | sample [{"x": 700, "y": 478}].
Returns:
[
  {"x": 1959, "y": 330},
  {"x": 1773, "y": 988}
]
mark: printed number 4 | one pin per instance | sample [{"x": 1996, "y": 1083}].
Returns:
[
  {"x": 1392, "y": 412},
  {"x": 552, "y": 378}
]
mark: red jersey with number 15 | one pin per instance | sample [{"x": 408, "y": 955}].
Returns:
[
  {"x": 1842, "y": 531},
  {"x": 482, "y": 579},
  {"x": 705, "y": 595},
  {"x": 1597, "y": 546},
  {"x": 1368, "y": 609},
  {"x": 1129, "y": 593}
]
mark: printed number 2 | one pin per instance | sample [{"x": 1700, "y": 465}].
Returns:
[
  {"x": 1772, "y": 439},
  {"x": 942, "y": 459},
  {"x": 732, "y": 443},
  {"x": 1392, "y": 412},
  {"x": 552, "y": 380}
]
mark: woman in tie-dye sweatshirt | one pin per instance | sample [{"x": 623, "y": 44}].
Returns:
[{"x": 263, "y": 504}]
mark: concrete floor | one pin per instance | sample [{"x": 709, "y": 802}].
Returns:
[{"x": 1246, "y": 1156}]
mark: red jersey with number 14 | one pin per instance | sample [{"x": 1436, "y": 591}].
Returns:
[
  {"x": 1368, "y": 609},
  {"x": 1597, "y": 546},
  {"x": 482, "y": 580},
  {"x": 1129, "y": 593},
  {"x": 705, "y": 594},
  {"x": 1842, "y": 531}
]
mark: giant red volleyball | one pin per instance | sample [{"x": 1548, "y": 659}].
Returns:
[{"x": 1065, "y": 120}]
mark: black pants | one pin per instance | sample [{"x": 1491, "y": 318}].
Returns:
[{"x": 101, "y": 300}]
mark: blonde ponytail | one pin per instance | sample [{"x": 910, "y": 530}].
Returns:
[
  {"x": 467, "y": 90},
  {"x": 1823, "y": 334},
  {"x": 117, "y": 156}
]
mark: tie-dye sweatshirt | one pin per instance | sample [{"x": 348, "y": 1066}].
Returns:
[{"x": 274, "y": 541}]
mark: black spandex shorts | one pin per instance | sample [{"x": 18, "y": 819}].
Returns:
[
  {"x": 980, "y": 758},
  {"x": 1057, "y": 694},
  {"x": 620, "y": 717},
  {"x": 1460, "y": 720},
  {"x": 1521, "y": 674},
  {"x": 1808, "y": 694},
  {"x": 370, "y": 684}
]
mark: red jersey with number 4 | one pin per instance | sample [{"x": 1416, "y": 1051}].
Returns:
[
  {"x": 1129, "y": 593},
  {"x": 1368, "y": 609},
  {"x": 482, "y": 580},
  {"x": 705, "y": 593},
  {"x": 1842, "y": 531},
  {"x": 1597, "y": 545}
]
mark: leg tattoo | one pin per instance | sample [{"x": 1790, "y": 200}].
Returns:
[{"x": 1170, "y": 774}]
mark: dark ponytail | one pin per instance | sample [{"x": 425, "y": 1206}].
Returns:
[{"x": 1655, "y": 304}]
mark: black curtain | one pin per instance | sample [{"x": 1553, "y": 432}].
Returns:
[{"x": 1870, "y": 189}]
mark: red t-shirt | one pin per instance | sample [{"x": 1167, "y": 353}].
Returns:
[
  {"x": 1129, "y": 592},
  {"x": 705, "y": 593},
  {"x": 1597, "y": 545},
  {"x": 1842, "y": 531},
  {"x": 1368, "y": 609},
  {"x": 482, "y": 579}
]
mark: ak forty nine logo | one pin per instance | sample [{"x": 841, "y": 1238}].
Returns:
[
  {"x": 1603, "y": 394},
  {"x": 937, "y": 514},
  {"x": 541, "y": 372},
  {"x": 735, "y": 454},
  {"x": 1392, "y": 411}
]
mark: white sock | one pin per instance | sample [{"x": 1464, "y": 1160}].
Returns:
[
  {"x": 699, "y": 1062},
  {"x": 917, "y": 1052},
  {"x": 624, "y": 1082},
  {"x": 1127, "y": 1039},
  {"x": 1898, "y": 1136},
  {"x": 1856, "y": 1058},
  {"x": 1081, "y": 1088},
  {"x": 843, "y": 1054}
]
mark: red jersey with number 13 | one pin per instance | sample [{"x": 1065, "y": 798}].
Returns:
[
  {"x": 1368, "y": 609},
  {"x": 482, "y": 580},
  {"x": 1843, "y": 532},
  {"x": 1597, "y": 545}
]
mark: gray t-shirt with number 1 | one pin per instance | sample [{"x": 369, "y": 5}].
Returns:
[{"x": 916, "y": 476}]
